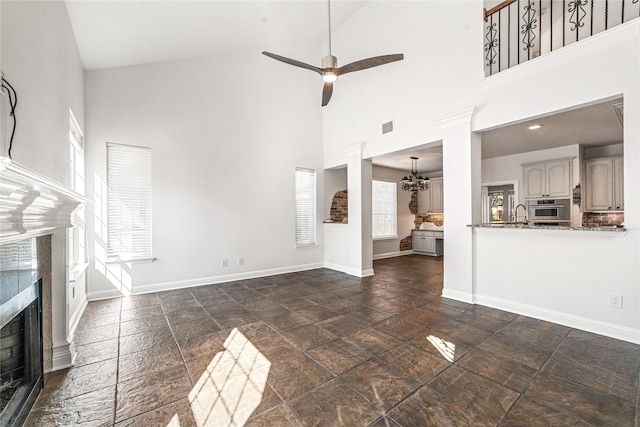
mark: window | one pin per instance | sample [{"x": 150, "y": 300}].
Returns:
[
  {"x": 128, "y": 202},
  {"x": 384, "y": 207},
  {"x": 305, "y": 207},
  {"x": 500, "y": 202},
  {"x": 76, "y": 237}
]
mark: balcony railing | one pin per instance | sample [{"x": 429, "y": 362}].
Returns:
[{"x": 519, "y": 30}]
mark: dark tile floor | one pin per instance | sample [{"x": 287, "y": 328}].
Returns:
[{"x": 321, "y": 348}]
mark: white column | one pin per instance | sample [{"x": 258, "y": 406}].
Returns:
[
  {"x": 63, "y": 351},
  {"x": 462, "y": 183},
  {"x": 359, "y": 240}
]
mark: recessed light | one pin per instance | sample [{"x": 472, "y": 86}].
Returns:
[{"x": 534, "y": 127}]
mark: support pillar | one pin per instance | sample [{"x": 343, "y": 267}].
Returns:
[
  {"x": 462, "y": 177},
  {"x": 359, "y": 240}
]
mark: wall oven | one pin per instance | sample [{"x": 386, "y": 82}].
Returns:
[{"x": 549, "y": 211}]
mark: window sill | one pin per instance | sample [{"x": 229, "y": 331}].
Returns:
[
  {"x": 131, "y": 260},
  {"x": 385, "y": 238},
  {"x": 306, "y": 246}
]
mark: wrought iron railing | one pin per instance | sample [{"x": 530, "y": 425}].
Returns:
[{"x": 519, "y": 30}]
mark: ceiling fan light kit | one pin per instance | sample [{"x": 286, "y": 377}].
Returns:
[{"x": 330, "y": 70}]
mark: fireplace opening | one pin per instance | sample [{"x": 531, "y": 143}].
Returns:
[
  {"x": 21, "y": 370},
  {"x": 11, "y": 358},
  {"x": 21, "y": 344}
]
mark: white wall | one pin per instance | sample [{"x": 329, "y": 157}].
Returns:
[
  {"x": 435, "y": 77},
  {"x": 405, "y": 217},
  {"x": 580, "y": 270},
  {"x": 421, "y": 91},
  {"x": 225, "y": 142},
  {"x": 40, "y": 59}
]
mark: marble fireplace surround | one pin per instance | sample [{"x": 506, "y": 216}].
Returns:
[{"x": 32, "y": 205}]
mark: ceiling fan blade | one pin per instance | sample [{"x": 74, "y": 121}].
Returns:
[
  {"x": 363, "y": 64},
  {"x": 327, "y": 90},
  {"x": 293, "y": 62}
]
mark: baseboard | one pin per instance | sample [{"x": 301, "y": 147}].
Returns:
[
  {"x": 393, "y": 254},
  {"x": 62, "y": 355},
  {"x": 212, "y": 280},
  {"x": 75, "y": 317},
  {"x": 458, "y": 296},
  {"x": 348, "y": 270},
  {"x": 597, "y": 327}
]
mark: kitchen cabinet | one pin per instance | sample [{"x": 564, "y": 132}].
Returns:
[
  {"x": 431, "y": 201},
  {"x": 604, "y": 184},
  {"x": 428, "y": 242},
  {"x": 550, "y": 179}
]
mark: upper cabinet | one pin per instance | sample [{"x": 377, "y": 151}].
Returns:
[
  {"x": 604, "y": 184},
  {"x": 549, "y": 179},
  {"x": 431, "y": 201}
]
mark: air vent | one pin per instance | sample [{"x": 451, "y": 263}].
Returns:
[{"x": 387, "y": 127}]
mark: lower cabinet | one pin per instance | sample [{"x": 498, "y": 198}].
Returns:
[{"x": 428, "y": 242}]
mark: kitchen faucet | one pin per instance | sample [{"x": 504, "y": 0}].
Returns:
[{"x": 515, "y": 213}]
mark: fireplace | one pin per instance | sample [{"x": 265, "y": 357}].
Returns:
[
  {"x": 32, "y": 207},
  {"x": 21, "y": 368}
]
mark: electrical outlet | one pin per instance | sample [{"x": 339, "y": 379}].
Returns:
[
  {"x": 240, "y": 261},
  {"x": 615, "y": 300},
  {"x": 224, "y": 263}
]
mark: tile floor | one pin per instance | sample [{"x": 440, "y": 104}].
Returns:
[{"x": 321, "y": 348}]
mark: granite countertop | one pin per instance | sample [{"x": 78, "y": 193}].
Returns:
[{"x": 547, "y": 227}]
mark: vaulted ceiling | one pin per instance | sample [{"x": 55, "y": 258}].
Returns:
[{"x": 118, "y": 33}]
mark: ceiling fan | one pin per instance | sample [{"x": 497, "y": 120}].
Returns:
[{"x": 330, "y": 70}]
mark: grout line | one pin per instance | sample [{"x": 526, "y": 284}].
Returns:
[{"x": 537, "y": 373}]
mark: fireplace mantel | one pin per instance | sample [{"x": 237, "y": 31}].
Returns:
[{"x": 32, "y": 204}]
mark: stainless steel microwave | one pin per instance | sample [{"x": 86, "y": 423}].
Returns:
[{"x": 549, "y": 210}]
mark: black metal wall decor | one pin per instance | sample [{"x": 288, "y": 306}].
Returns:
[{"x": 519, "y": 30}]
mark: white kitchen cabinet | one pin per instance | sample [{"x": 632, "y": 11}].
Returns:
[
  {"x": 428, "y": 242},
  {"x": 549, "y": 179},
  {"x": 424, "y": 204},
  {"x": 604, "y": 184},
  {"x": 436, "y": 195},
  {"x": 431, "y": 201}
]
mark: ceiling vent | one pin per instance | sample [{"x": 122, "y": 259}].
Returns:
[
  {"x": 387, "y": 127},
  {"x": 619, "y": 109}
]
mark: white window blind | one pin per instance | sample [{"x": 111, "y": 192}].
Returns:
[
  {"x": 384, "y": 207},
  {"x": 305, "y": 207},
  {"x": 128, "y": 202}
]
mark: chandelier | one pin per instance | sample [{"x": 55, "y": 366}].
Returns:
[{"x": 414, "y": 182}]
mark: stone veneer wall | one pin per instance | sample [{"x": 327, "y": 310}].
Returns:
[
  {"x": 340, "y": 207},
  {"x": 43, "y": 246},
  {"x": 595, "y": 219}
]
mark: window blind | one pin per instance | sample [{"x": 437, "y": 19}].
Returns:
[
  {"x": 305, "y": 207},
  {"x": 384, "y": 207},
  {"x": 128, "y": 202}
]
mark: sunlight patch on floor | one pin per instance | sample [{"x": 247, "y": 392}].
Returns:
[
  {"x": 232, "y": 385},
  {"x": 447, "y": 349}
]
